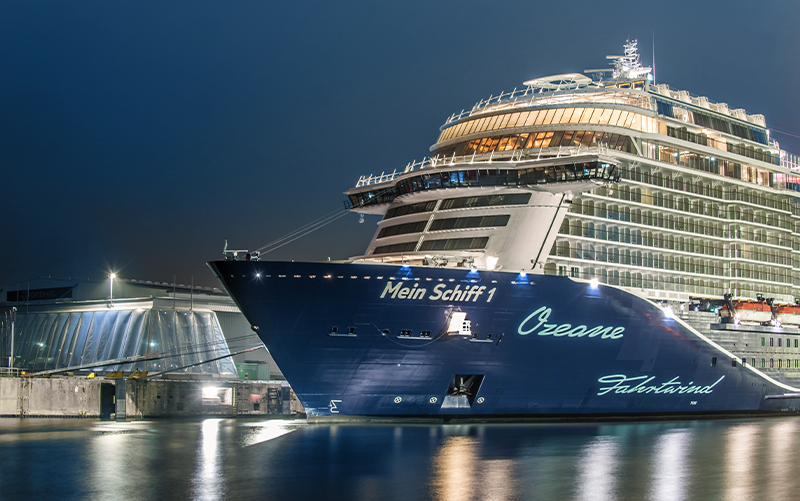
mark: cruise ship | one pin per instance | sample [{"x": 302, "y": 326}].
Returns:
[{"x": 586, "y": 246}]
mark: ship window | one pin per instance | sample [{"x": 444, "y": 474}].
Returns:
[
  {"x": 713, "y": 361},
  {"x": 425, "y": 334},
  {"x": 753, "y": 362},
  {"x": 771, "y": 363},
  {"x": 762, "y": 341},
  {"x": 780, "y": 363},
  {"x": 403, "y": 247},
  {"x": 779, "y": 342},
  {"x": 410, "y": 209},
  {"x": 771, "y": 342},
  {"x": 469, "y": 222},
  {"x": 385, "y": 332},
  {"x": 405, "y": 333},
  {"x": 795, "y": 343},
  {"x": 486, "y": 201},
  {"x": 733, "y": 362},
  {"x": 402, "y": 229},
  {"x": 334, "y": 330},
  {"x": 351, "y": 330},
  {"x": 763, "y": 363},
  {"x": 788, "y": 343},
  {"x": 455, "y": 244}
]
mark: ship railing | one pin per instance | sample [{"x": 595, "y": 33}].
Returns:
[
  {"x": 655, "y": 285},
  {"x": 383, "y": 177},
  {"x": 524, "y": 98},
  {"x": 464, "y": 175},
  {"x": 789, "y": 161},
  {"x": 515, "y": 157},
  {"x": 10, "y": 371}
]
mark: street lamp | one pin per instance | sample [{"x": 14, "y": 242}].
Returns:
[
  {"x": 111, "y": 278},
  {"x": 11, "y": 355}
]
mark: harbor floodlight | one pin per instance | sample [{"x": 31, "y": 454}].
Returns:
[{"x": 111, "y": 277}]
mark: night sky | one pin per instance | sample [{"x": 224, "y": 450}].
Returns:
[{"x": 138, "y": 136}]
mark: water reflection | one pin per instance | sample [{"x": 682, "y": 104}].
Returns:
[
  {"x": 597, "y": 469},
  {"x": 741, "y": 446},
  {"x": 670, "y": 468},
  {"x": 262, "y": 431},
  {"x": 454, "y": 469},
  {"x": 259, "y": 459},
  {"x": 112, "y": 467},
  {"x": 208, "y": 483},
  {"x": 781, "y": 469}
]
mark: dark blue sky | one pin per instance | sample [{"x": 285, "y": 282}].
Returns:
[{"x": 139, "y": 135}]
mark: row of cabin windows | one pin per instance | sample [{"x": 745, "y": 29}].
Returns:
[
  {"x": 772, "y": 364},
  {"x": 713, "y": 189},
  {"x": 780, "y": 342}
]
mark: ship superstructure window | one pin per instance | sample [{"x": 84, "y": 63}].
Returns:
[
  {"x": 455, "y": 244},
  {"x": 771, "y": 342},
  {"x": 763, "y": 363},
  {"x": 457, "y": 223},
  {"x": 550, "y": 139},
  {"x": 762, "y": 341},
  {"x": 404, "y": 210},
  {"x": 486, "y": 201},
  {"x": 487, "y": 177},
  {"x": 739, "y": 149},
  {"x": 388, "y": 249},
  {"x": 753, "y": 362},
  {"x": 710, "y": 121},
  {"x": 553, "y": 116},
  {"x": 402, "y": 229},
  {"x": 713, "y": 361}
]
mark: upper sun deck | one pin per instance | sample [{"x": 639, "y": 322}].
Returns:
[
  {"x": 628, "y": 85},
  {"x": 559, "y": 90}
]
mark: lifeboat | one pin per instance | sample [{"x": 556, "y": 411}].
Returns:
[
  {"x": 789, "y": 314},
  {"x": 750, "y": 311}
]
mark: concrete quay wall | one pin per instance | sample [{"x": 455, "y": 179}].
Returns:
[
  {"x": 83, "y": 398},
  {"x": 49, "y": 397}
]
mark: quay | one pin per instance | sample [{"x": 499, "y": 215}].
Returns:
[{"x": 121, "y": 399}]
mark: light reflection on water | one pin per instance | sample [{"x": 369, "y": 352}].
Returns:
[
  {"x": 670, "y": 466},
  {"x": 256, "y": 458}
]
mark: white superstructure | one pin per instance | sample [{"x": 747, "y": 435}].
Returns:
[{"x": 690, "y": 198}]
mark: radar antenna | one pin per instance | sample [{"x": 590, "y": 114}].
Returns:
[{"x": 629, "y": 66}]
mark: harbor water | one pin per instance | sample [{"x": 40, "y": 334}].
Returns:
[{"x": 285, "y": 459}]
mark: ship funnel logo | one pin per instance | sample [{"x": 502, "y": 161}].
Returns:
[{"x": 538, "y": 322}]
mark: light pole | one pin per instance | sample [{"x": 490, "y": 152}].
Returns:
[
  {"x": 11, "y": 356},
  {"x": 111, "y": 278}
]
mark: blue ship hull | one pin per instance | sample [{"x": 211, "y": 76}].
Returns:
[{"x": 371, "y": 341}]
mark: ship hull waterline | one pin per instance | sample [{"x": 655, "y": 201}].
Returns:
[{"x": 377, "y": 342}]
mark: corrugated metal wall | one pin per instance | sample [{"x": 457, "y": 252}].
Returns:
[{"x": 51, "y": 340}]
